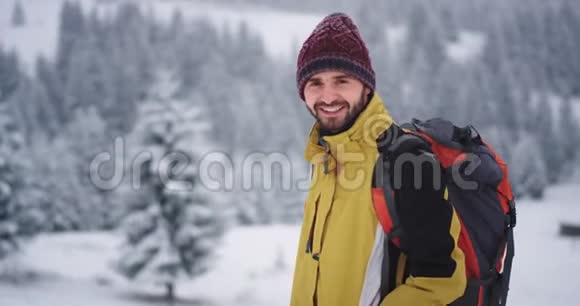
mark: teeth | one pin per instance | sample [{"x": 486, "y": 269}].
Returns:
[{"x": 332, "y": 109}]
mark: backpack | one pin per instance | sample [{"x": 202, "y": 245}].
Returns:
[{"x": 478, "y": 188}]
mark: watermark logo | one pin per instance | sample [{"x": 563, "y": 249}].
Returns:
[{"x": 220, "y": 172}]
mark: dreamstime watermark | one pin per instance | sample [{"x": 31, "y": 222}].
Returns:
[
  {"x": 425, "y": 168},
  {"x": 215, "y": 171},
  {"x": 218, "y": 171}
]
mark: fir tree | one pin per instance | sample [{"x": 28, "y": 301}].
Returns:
[
  {"x": 11, "y": 184},
  {"x": 18, "y": 15},
  {"x": 171, "y": 226}
]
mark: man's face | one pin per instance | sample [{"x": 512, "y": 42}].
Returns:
[{"x": 335, "y": 98}]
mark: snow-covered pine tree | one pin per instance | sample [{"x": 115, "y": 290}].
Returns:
[
  {"x": 177, "y": 26},
  {"x": 10, "y": 183},
  {"x": 47, "y": 77},
  {"x": 254, "y": 206},
  {"x": 568, "y": 130},
  {"x": 32, "y": 109},
  {"x": 9, "y": 73},
  {"x": 89, "y": 83},
  {"x": 69, "y": 200},
  {"x": 85, "y": 137},
  {"x": 130, "y": 58},
  {"x": 371, "y": 19},
  {"x": 528, "y": 169},
  {"x": 57, "y": 190},
  {"x": 18, "y": 15},
  {"x": 552, "y": 151},
  {"x": 72, "y": 28},
  {"x": 290, "y": 206},
  {"x": 171, "y": 224}
]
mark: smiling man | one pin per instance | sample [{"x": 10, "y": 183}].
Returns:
[
  {"x": 338, "y": 105},
  {"x": 344, "y": 256}
]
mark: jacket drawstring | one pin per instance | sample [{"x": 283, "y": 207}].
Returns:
[{"x": 326, "y": 153}]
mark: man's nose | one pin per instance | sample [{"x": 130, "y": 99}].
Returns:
[{"x": 328, "y": 94}]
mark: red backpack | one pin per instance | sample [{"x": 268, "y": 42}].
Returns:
[{"x": 486, "y": 209}]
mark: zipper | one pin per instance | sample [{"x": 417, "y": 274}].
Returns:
[{"x": 309, "y": 242}]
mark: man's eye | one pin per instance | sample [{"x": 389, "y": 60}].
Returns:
[
  {"x": 342, "y": 81},
  {"x": 314, "y": 84}
]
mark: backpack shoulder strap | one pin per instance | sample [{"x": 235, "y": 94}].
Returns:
[
  {"x": 505, "y": 256},
  {"x": 397, "y": 139},
  {"x": 391, "y": 144},
  {"x": 446, "y": 133}
]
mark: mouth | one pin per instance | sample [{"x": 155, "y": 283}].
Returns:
[{"x": 331, "y": 110}]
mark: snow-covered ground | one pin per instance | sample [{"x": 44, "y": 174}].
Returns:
[
  {"x": 254, "y": 265},
  {"x": 282, "y": 31},
  {"x": 546, "y": 266}
]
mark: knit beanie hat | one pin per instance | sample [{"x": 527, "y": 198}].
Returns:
[{"x": 334, "y": 44}]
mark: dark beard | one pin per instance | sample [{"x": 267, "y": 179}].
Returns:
[{"x": 350, "y": 119}]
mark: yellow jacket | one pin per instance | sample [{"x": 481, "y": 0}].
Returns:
[{"x": 341, "y": 240}]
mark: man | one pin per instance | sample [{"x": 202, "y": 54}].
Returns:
[{"x": 340, "y": 253}]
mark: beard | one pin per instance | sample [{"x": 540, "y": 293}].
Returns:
[{"x": 336, "y": 125}]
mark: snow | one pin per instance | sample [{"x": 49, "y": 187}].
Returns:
[
  {"x": 546, "y": 265},
  {"x": 254, "y": 265},
  {"x": 64, "y": 293},
  {"x": 283, "y": 32},
  {"x": 72, "y": 256},
  {"x": 468, "y": 46}
]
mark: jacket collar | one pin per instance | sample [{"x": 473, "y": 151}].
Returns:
[{"x": 371, "y": 122}]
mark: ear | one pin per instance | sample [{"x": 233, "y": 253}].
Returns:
[{"x": 367, "y": 91}]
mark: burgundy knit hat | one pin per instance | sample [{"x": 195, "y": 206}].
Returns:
[{"x": 335, "y": 44}]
